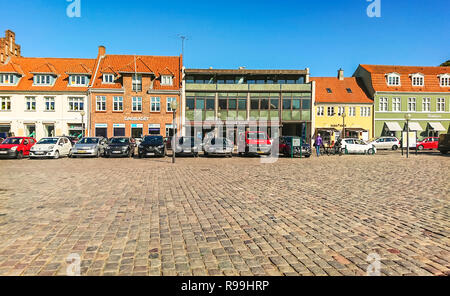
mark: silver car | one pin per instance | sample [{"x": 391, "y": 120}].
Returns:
[
  {"x": 89, "y": 146},
  {"x": 389, "y": 143},
  {"x": 219, "y": 146}
]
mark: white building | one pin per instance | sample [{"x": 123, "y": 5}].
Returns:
[{"x": 44, "y": 96}]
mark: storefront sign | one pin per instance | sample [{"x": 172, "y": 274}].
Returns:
[
  {"x": 137, "y": 125},
  {"x": 136, "y": 119},
  {"x": 101, "y": 125},
  {"x": 119, "y": 125},
  {"x": 154, "y": 126}
]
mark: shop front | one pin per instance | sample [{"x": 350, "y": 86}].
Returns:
[
  {"x": 5, "y": 130},
  {"x": 137, "y": 130},
  {"x": 391, "y": 129},
  {"x": 154, "y": 129},
  {"x": 75, "y": 129},
  {"x": 434, "y": 129},
  {"x": 101, "y": 130},
  {"x": 119, "y": 130}
]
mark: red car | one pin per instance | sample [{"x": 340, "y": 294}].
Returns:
[
  {"x": 428, "y": 143},
  {"x": 253, "y": 142},
  {"x": 16, "y": 147}
]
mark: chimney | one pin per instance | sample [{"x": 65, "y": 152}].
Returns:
[
  {"x": 101, "y": 51},
  {"x": 341, "y": 74}
]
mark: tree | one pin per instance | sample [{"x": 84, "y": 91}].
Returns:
[{"x": 446, "y": 64}]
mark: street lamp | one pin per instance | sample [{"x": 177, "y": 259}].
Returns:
[
  {"x": 82, "y": 113},
  {"x": 174, "y": 106},
  {"x": 407, "y": 118}
]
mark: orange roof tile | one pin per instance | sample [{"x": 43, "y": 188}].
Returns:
[
  {"x": 339, "y": 93},
  {"x": 79, "y": 69},
  {"x": 431, "y": 81},
  {"x": 11, "y": 68}
]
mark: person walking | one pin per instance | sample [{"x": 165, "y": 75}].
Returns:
[{"x": 318, "y": 143}]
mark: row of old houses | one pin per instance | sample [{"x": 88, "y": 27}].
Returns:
[{"x": 129, "y": 95}]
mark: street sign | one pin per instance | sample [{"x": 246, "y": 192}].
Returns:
[{"x": 296, "y": 142}]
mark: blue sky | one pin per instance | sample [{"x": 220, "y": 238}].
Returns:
[{"x": 323, "y": 35}]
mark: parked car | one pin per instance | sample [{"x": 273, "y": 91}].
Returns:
[
  {"x": 16, "y": 147},
  {"x": 152, "y": 146},
  {"x": 444, "y": 143},
  {"x": 389, "y": 143},
  {"x": 187, "y": 146},
  {"x": 218, "y": 146},
  {"x": 355, "y": 146},
  {"x": 254, "y": 142},
  {"x": 428, "y": 143},
  {"x": 120, "y": 146},
  {"x": 89, "y": 146},
  {"x": 287, "y": 148},
  {"x": 53, "y": 147}
]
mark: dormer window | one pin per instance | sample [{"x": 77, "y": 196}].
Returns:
[
  {"x": 393, "y": 79},
  {"x": 166, "y": 80},
  {"x": 108, "y": 78},
  {"x": 444, "y": 80},
  {"x": 43, "y": 79},
  {"x": 8, "y": 79},
  {"x": 78, "y": 80},
  {"x": 417, "y": 79}
]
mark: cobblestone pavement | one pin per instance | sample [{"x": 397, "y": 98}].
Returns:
[{"x": 220, "y": 216}]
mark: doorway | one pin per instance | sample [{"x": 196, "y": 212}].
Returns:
[
  {"x": 136, "y": 132},
  {"x": 30, "y": 130}
]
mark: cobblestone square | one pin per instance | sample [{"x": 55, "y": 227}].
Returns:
[{"x": 220, "y": 216}]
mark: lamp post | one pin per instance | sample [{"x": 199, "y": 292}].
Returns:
[
  {"x": 343, "y": 124},
  {"x": 407, "y": 118},
  {"x": 174, "y": 106},
  {"x": 82, "y": 113}
]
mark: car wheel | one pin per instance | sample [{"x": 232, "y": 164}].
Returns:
[
  {"x": 420, "y": 147},
  {"x": 370, "y": 151},
  {"x": 56, "y": 155},
  {"x": 19, "y": 155},
  {"x": 395, "y": 147},
  {"x": 98, "y": 154}
]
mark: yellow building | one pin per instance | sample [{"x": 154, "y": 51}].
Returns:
[{"x": 341, "y": 106}]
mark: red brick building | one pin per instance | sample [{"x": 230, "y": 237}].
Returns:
[
  {"x": 131, "y": 95},
  {"x": 8, "y": 47}
]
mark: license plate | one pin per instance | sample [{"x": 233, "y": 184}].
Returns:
[
  {"x": 3, "y": 152},
  {"x": 187, "y": 151},
  {"x": 150, "y": 154},
  {"x": 117, "y": 152},
  {"x": 39, "y": 153},
  {"x": 260, "y": 152},
  {"x": 81, "y": 151}
]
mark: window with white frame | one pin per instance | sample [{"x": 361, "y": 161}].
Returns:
[
  {"x": 330, "y": 111},
  {"x": 78, "y": 80},
  {"x": 137, "y": 104},
  {"x": 30, "y": 103},
  {"x": 7, "y": 79},
  {"x": 440, "y": 105},
  {"x": 137, "y": 82},
  {"x": 49, "y": 103},
  {"x": 365, "y": 111},
  {"x": 155, "y": 104},
  {"x": 320, "y": 111},
  {"x": 118, "y": 104},
  {"x": 426, "y": 104},
  {"x": 393, "y": 79},
  {"x": 411, "y": 104},
  {"x": 396, "y": 104},
  {"x": 341, "y": 111},
  {"x": 417, "y": 80},
  {"x": 108, "y": 78},
  {"x": 42, "y": 79},
  {"x": 169, "y": 104},
  {"x": 444, "y": 80},
  {"x": 101, "y": 103},
  {"x": 383, "y": 104},
  {"x": 352, "y": 111},
  {"x": 166, "y": 80},
  {"x": 76, "y": 104},
  {"x": 5, "y": 104}
]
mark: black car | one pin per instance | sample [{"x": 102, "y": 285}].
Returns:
[
  {"x": 152, "y": 146},
  {"x": 290, "y": 146},
  {"x": 120, "y": 146}
]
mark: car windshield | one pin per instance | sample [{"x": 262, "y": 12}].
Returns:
[
  {"x": 12, "y": 141},
  {"x": 360, "y": 142},
  {"x": 256, "y": 136},
  {"x": 119, "y": 141},
  {"x": 88, "y": 141},
  {"x": 48, "y": 141},
  {"x": 156, "y": 140}
]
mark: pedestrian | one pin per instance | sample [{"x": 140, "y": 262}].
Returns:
[{"x": 318, "y": 143}]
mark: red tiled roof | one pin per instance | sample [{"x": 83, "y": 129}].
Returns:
[
  {"x": 339, "y": 93},
  {"x": 166, "y": 71},
  {"x": 144, "y": 64},
  {"x": 431, "y": 81},
  {"x": 56, "y": 66},
  {"x": 11, "y": 68},
  {"x": 79, "y": 69}
]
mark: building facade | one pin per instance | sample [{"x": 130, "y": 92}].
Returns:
[
  {"x": 421, "y": 92},
  {"x": 8, "y": 47},
  {"x": 342, "y": 109},
  {"x": 279, "y": 101},
  {"x": 132, "y": 95},
  {"x": 43, "y": 97}
]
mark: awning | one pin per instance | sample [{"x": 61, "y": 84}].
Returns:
[
  {"x": 330, "y": 129},
  {"x": 393, "y": 126},
  {"x": 415, "y": 127},
  {"x": 436, "y": 126},
  {"x": 355, "y": 129}
]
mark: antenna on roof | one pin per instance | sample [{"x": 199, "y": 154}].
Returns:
[{"x": 183, "y": 39}]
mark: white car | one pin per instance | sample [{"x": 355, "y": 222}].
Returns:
[
  {"x": 389, "y": 143},
  {"x": 355, "y": 146},
  {"x": 54, "y": 147}
]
